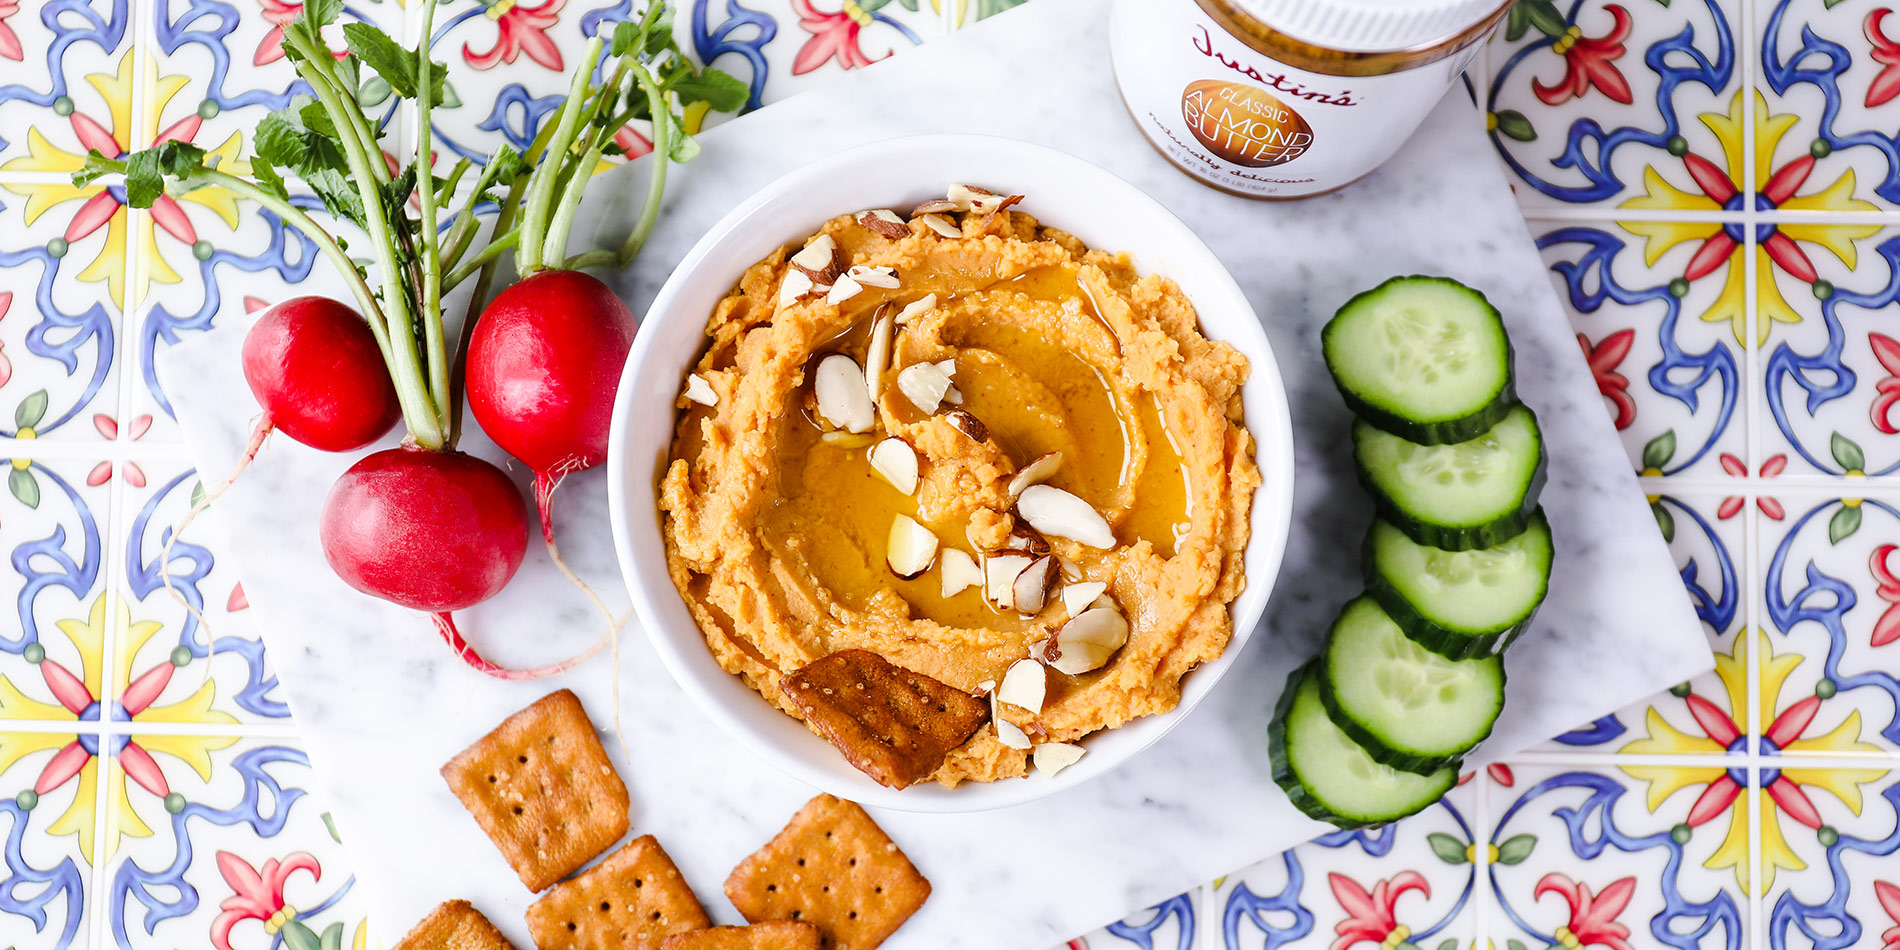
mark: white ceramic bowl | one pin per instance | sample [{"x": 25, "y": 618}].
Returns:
[{"x": 1063, "y": 191}]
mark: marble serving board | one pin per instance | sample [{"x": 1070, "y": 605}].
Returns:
[{"x": 383, "y": 704}]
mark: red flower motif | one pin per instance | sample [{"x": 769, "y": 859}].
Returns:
[
  {"x": 1590, "y": 62},
  {"x": 1732, "y": 505},
  {"x": 1604, "y": 358},
  {"x": 109, "y": 427},
  {"x": 1887, "y": 353},
  {"x": 520, "y": 30},
  {"x": 1886, "y": 52},
  {"x": 258, "y": 893},
  {"x": 1887, "y": 628},
  {"x": 279, "y": 14},
  {"x": 1721, "y": 729},
  {"x": 1592, "y": 916},
  {"x": 1890, "y": 902},
  {"x": 832, "y": 35},
  {"x": 6, "y": 303},
  {"x": 1369, "y": 916},
  {"x": 9, "y": 40}
]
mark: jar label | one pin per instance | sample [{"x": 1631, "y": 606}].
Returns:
[
  {"x": 1244, "y": 124},
  {"x": 1242, "y": 121}
]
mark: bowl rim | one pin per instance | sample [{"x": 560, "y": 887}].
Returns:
[{"x": 691, "y": 663}]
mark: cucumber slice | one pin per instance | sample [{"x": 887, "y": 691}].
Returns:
[
  {"x": 1424, "y": 358},
  {"x": 1328, "y": 776},
  {"x": 1408, "y": 707},
  {"x": 1465, "y": 495},
  {"x": 1459, "y": 604}
]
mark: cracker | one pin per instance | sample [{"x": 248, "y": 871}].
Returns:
[
  {"x": 892, "y": 724},
  {"x": 631, "y": 901},
  {"x": 543, "y": 789},
  {"x": 834, "y": 867},
  {"x": 454, "y": 925},
  {"x": 764, "y": 935}
]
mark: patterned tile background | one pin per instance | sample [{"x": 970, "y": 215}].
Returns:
[{"x": 1713, "y": 183}]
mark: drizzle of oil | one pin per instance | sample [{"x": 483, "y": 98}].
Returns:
[{"x": 1165, "y": 512}]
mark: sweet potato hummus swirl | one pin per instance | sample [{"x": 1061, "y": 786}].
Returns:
[{"x": 779, "y": 526}]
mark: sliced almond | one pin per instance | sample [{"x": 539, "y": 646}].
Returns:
[
  {"x": 1035, "y": 473},
  {"x": 819, "y": 260},
  {"x": 948, "y": 366},
  {"x": 1086, "y": 642},
  {"x": 937, "y": 206},
  {"x": 915, "y": 308},
  {"x": 1022, "y": 537},
  {"x": 700, "y": 391},
  {"x": 911, "y": 548},
  {"x": 942, "y": 225},
  {"x": 1071, "y": 571},
  {"x": 969, "y": 425},
  {"x": 1077, "y": 597},
  {"x": 845, "y": 289},
  {"x": 980, "y": 200},
  {"x": 1053, "y": 511},
  {"x": 843, "y": 399},
  {"x": 897, "y": 462},
  {"x": 999, "y": 578},
  {"x": 953, "y": 395},
  {"x": 886, "y": 222},
  {"x": 1024, "y": 685},
  {"x": 796, "y": 284},
  {"x": 959, "y": 571},
  {"x": 877, "y": 356},
  {"x": 847, "y": 440},
  {"x": 882, "y": 276},
  {"x": 924, "y": 385},
  {"x": 1053, "y": 757},
  {"x": 1032, "y": 586},
  {"x": 1008, "y": 733}
]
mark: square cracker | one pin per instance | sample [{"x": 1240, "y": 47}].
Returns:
[
  {"x": 454, "y": 925},
  {"x": 892, "y": 724},
  {"x": 832, "y": 866},
  {"x": 631, "y": 901},
  {"x": 543, "y": 789},
  {"x": 764, "y": 935}
]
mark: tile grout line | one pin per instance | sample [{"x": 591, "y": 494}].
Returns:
[{"x": 1481, "y": 835}]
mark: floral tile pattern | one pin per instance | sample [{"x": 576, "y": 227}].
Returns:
[{"x": 1713, "y": 185}]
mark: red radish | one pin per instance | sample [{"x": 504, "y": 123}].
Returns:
[
  {"x": 315, "y": 368},
  {"x": 433, "y": 531},
  {"x": 543, "y": 365}
]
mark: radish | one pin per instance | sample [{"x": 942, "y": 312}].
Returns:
[
  {"x": 543, "y": 365},
  {"x": 315, "y": 368},
  {"x": 423, "y": 525}
]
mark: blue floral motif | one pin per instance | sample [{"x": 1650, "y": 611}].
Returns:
[
  {"x": 64, "y": 880},
  {"x": 76, "y": 575},
  {"x": 1178, "y": 910},
  {"x": 711, "y": 43},
  {"x": 1791, "y": 911},
  {"x": 61, "y": 336},
  {"x": 1825, "y": 600}
]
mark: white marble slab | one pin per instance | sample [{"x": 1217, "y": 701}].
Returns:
[{"x": 383, "y": 704}]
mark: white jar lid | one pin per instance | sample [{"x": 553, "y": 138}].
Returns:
[{"x": 1369, "y": 26}]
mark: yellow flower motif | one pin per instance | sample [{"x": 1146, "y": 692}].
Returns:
[
  {"x": 1777, "y": 245},
  {"x": 77, "y": 758},
  {"x": 101, "y": 209},
  {"x": 1782, "y": 790}
]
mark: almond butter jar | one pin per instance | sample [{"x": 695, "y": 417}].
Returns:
[{"x": 1283, "y": 99}]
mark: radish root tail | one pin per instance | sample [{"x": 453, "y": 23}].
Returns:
[
  {"x": 445, "y": 625},
  {"x": 260, "y": 430},
  {"x": 544, "y": 485}
]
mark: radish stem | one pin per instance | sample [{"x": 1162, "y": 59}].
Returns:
[
  {"x": 438, "y": 358},
  {"x": 445, "y": 625},
  {"x": 541, "y": 190}
]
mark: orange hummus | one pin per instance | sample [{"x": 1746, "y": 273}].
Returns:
[{"x": 779, "y": 528}]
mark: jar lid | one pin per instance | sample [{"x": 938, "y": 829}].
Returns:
[{"x": 1370, "y": 26}]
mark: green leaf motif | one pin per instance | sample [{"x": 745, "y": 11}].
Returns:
[
  {"x": 1513, "y": 125},
  {"x": 1515, "y": 850},
  {"x": 1543, "y": 15},
  {"x": 1664, "y": 520},
  {"x": 446, "y": 97},
  {"x": 1844, "y": 523},
  {"x": 1514, "y": 944},
  {"x": 197, "y": 493},
  {"x": 1831, "y": 4},
  {"x": 1660, "y": 450},
  {"x": 374, "y": 93},
  {"x": 31, "y": 410},
  {"x": 1847, "y": 453},
  {"x": 24, "y": 486},
  {"x": 1448, "y": 945},
  {"x": 1449, "y": 849},
  {"x": 990, "y": 8},
  {"x": 1518, "y": 22}
]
